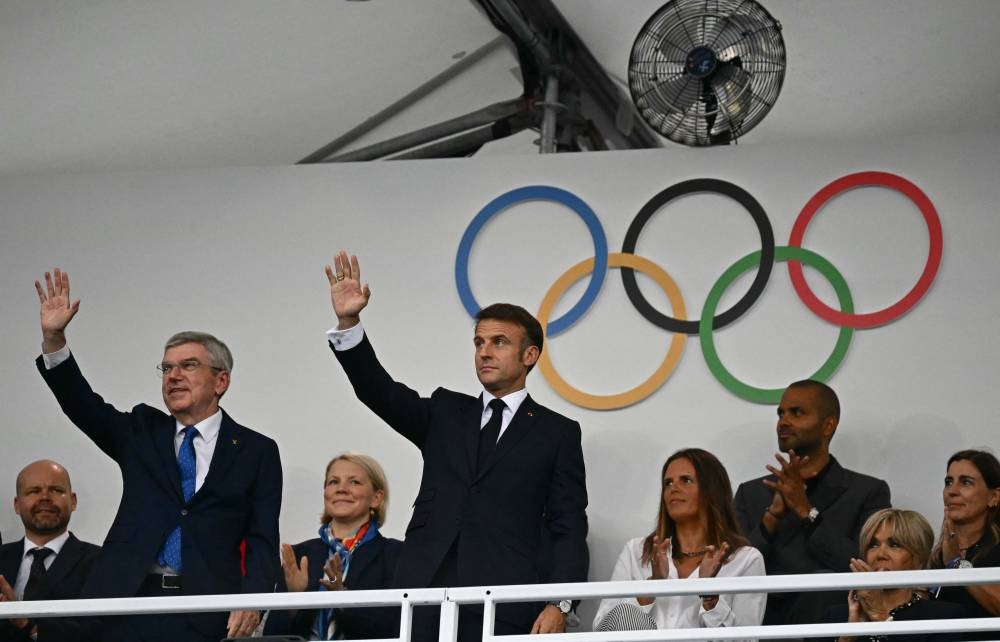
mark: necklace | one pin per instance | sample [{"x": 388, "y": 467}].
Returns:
[
  {"x": 689, "y": 554},
  {"x": 914, "y": 598}
]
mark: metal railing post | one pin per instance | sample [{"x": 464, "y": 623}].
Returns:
[
  {"x": 448, "y": 630},
  {"x": 406, "y": 620},
  {"x": 489, "y": 615}
]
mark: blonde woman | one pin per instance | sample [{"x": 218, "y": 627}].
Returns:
[{"x": 349, "y": 553}]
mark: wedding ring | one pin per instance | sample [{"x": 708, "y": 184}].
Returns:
[{"x": 340, "y": 276}]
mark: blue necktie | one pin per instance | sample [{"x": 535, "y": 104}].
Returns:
[{"x": 170, "y": 554}]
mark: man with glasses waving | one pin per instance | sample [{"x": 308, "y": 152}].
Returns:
[{"x": 198, "y": 488}]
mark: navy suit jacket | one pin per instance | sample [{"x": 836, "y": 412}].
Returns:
[
  {"x": 844, "y": 499},
  {"x": 239, "y": 499},
  {"x": 520, "y": 520},
  {"x": 63, "y": 581},
  {"x": 372, "y": 567}
]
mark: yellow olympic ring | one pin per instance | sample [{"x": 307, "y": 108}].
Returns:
[{"x": 650, "y": 385}]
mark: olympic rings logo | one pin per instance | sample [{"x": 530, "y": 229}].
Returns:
[{"x": 763, "y": 259}]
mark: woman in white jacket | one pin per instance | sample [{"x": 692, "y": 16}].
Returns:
[{"x": 696, "y": 535}]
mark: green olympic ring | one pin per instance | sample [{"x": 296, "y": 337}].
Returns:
[{"x": 782, "y": 253}]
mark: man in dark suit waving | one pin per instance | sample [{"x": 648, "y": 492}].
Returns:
[
  {"x": 50, "y": 563},
  {"x": 503, "y": 489},
  {"x": 197, "y": 486}
]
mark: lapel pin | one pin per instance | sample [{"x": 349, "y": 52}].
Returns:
[
  {"x": 531, "y": 414},
  {"x": 236, "y": 441}
]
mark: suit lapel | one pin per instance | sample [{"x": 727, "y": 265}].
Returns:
[
  {"x": 64, "y": 562},
  {"x": 362, "y": 559},
  {"x": 227, "y": 446},
  {"x": 519, "y": 426},
  {"x": 468, "y": 426},
  {"x": 162, "y": 436},
  {"x": 831, "y": 487}
]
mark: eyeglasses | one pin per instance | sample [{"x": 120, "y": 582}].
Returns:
[{"x": 188, "y": 365}]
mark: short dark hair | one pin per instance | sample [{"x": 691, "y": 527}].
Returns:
[
  {"x": 829, "y": 404},
  {"x": 533, "y": 335}
]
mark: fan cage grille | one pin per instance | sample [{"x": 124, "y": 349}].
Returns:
[{"x": 750, "y": 50}]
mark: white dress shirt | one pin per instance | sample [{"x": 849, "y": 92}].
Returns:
[
  {"x": 55, "y": 545},
  {"x": 685, "y": 611}
]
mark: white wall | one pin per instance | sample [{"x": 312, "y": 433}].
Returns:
[{"x": 240, "y": 253}]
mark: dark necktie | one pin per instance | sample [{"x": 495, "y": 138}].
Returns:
[
  {"x": 170, "y": 555},
  {"x": 36, "y": 576},
  {"x": 490, "y": 433}
]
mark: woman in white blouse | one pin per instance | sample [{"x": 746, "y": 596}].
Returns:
[{"x": 696, "y": 535}]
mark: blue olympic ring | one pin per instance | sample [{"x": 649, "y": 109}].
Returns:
[{"x": 536, "y": 193}]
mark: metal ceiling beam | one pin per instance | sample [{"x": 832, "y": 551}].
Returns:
[
  {"x": 563, "y": 49},
  {"x": 376, "y": 119}
]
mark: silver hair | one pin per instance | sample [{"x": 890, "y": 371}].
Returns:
[{"x": 218, "y": 352}]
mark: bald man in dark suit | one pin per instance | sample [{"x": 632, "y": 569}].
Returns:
[{"x": 49, "y": 563}]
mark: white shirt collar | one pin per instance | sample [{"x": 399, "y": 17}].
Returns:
[
  {"x": 55, "y": 544},
  {"x": 207, "y": 428},
  {"x": 513, "y": 400}
]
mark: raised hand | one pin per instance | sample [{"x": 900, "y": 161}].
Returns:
[
  {"x": 57, "y": 310},
  {"x": 334, "y": 578},
  {"x": 713, "y": 560},
  {"x": 791, "y": 482},
  {"x": 948, "y": 542},
  {"x": 347, "y": 294},
  {"x": 859, "y": 566},
  {"x": 296, "y": 573}
]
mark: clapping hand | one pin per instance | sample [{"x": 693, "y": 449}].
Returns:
[
  {"x": 661, "y": 567},
  {"x": 713, "y": 560},
  {"x": 333, "y": 580},
  {"x": 791, "y": 482},
  {"x": 296, "y": 573},
  {"x": 865, "y": 605},
  {"x": 7, "y": 595}
]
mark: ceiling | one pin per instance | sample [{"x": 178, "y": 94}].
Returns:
[{"x": 110, "y": 85}]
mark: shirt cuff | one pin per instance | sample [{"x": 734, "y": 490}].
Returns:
[
  {"x": 53, "y": 359},
  {"x": 345, "y": 339}
]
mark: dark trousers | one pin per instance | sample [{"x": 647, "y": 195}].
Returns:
[
  {"x": 427, "y": 619},
  {"x": 160, "y": 627}
]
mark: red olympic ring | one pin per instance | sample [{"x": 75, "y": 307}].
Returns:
[{"x": 896, "y": 310}]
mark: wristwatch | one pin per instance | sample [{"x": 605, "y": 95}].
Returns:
[
  {"x": 564, "y": 606},
  {"x": 964, "y": 564},
  {"x": 813, "y": 515}
]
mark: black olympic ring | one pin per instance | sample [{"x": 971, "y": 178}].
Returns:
[{"x": 725, "y": 188}]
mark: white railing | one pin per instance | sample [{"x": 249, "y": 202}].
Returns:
[{"x": 489, "y": 597}]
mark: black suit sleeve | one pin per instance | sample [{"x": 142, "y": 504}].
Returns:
[
  {"x": 87, "y": 410},
  {"x": 749, "y": 517},
  {"x": 565, "y": 511},
  {"x": 401, "y": 407}
]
